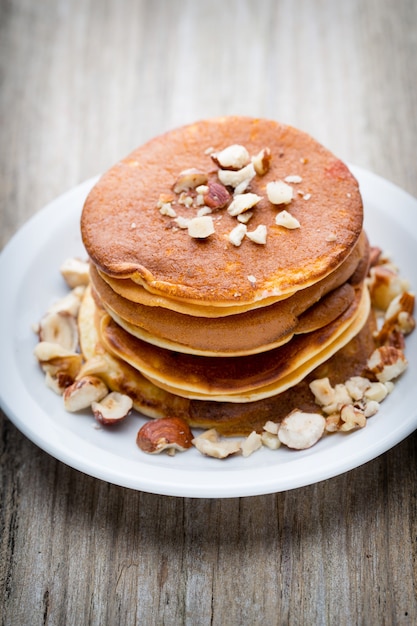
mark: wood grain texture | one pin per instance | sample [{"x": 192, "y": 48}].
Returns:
[{"x": 82, "y": 84}]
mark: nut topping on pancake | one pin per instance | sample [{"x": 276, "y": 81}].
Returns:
[
  {"x": 262, "y": 161},
  {"x": 190, "y": 179},
  {"x": 236, "y": 170},
  {"x": 233, "y": 157},
  {"x": 279, "y": 192},
  {"x": 286, "y": 220},
  {"x": 242, "y": 202},
  {"x": 201, "y": 227},
  {"x": 258, "y": 235},
  {"x": 237, "y": 234},
  {"x": 216, "y": 196},
  {"x": 293, "y": 178},
  {"x": 236, "y": 178}
]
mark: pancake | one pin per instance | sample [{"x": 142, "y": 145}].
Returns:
[
  {"x": 250, "y": 332},
  {"x": 227, "y": 418},
  {"x": 201, "y": 325},
  {"x": 328, "y": 309},
  {"x": 357, "y": 262},
  {"x": 237, "y": 379},
  {"x": 126, "y": 236},
  {"x": 130, "y": 290}
]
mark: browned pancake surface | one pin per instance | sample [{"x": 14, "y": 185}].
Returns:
[
  {"x": 224, "y": 375},
  {"x": 227, "y": 417},
  {"x": 170, "y": 262}
]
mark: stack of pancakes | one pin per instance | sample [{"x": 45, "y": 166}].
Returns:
[{"x": 206, "y": 322}]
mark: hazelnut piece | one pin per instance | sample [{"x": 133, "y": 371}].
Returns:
[
  {"x": 300, "y": 430},
  {"x": 189, "y": 179},
  {"x": 75, "y": 272},
  {"x": 59, "y": 327},
  {"x": 216, "y": 196},
  {"x": 201, "y": 227},
  {"x": 167, "y": 433},
  {"x": 81, "y": 394},
  {"x": 279, "y": 192},
  {"x": 262, "y": 161},
  {"x": 232, "y": 158},
  {"x": 113, "y": 408},
  {"x": 211, "y": 444}
]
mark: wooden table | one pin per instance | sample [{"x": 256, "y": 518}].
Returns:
[{"x": 83, "y": 83}]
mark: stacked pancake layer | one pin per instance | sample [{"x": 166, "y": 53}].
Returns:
[{"x": 207, "y": 316}]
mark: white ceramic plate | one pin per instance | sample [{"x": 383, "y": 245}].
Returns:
[{"x": 30, "y": 281}]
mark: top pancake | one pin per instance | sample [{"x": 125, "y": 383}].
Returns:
[{"x": 126, "y": 236}]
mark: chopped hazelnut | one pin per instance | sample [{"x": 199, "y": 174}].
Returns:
[
  {"x": 201, "y": 227},
  {"x": 189, "y": 179},
  {"x": 271, "y": 427},
  {"x": 232, "y": 178},
  {"x": 83, "y": 392},
  {"x": 252, "y": 443},
  {"x": 205, "y": 210},
  {"x": 294, "y": 178},
  {"x": 279, "y": 192},
  {"x": 387, "y": 363},
  {"x": 300, "y": 430},
  {"x": 322, "y": 391},
  {"x": 232, "y": 158},
  {"x": 70, "y": 303},
  {"x": 216, "y": 196},
  {"x": 237, "y": 234},
  {"x": 341, "y": 396},
  {"x": 285, "y": 219},
  {"x": 270, "y": 440},
  {"x": 376, "y": 392},
  {"x": 357, "y": 386},
  {"x": 242, "y": 202},
  {"x": 59, "y": 327},
  {"x": 182, "y": 222},
  {"x": 112, "y": 409},
  {"x": 371, "y": 408},
  {"x": 166, "y": 209},
  {"x": 75, "y": 272},
  {"x": 352, "y": 418},
  {"x": 261, "y": 162},
  {"x": 244, "y": 218},
  {"x": 384, "y": 286},
  {"x": 258, "y": 235},
  {"x": 333, "y": 423},
  {"x": 58, "y": 361},
  {"x": 210, "y": 444},
  {"x": 242, "y": 187}
]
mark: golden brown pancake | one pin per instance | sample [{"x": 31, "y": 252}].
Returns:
[
  {"x": 228, "y": 418},
  {"x": 127, "y": 237},
  {"x": 218, "y": 333},
  {"x": 354, "y": 267},
  {"x": 237, "y": 379},
  {"x": 253, "y": 331},
  {"x": 252, "y": 337}
]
